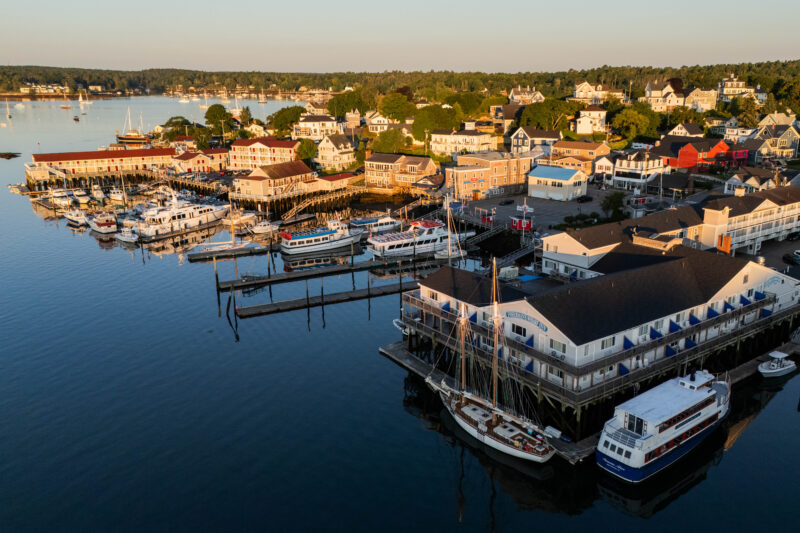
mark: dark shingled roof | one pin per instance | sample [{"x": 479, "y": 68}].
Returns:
[
  {"x": 317, "y": 118},
  {"x": 595, "y": 308},
  {"x": 341, "y": 142},
  {"x": 614, "y": 232},
  {"x": 286, "y": 169},
  {"x": 740, "y": 205},
  {"x": 469, "y": 287},
  {"x": 536, "y": 133},
  {"x": 384, "y": 158},
  {"x": 692, "y": 128},
  {"x": 670, "y": 145}
]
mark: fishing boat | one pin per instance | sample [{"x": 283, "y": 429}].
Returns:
[
  {"x": 81, "y": 196},
  {"x": 265, "y": 227},
  {"x": 656, "y": 428},
  {"x": 484, "y": 418},
  {"x": 60, "y": 198},
  {"x": 128, "y": 234},
  {"x": 778, "y": 365},
  {"x": 97, "y": 193},
  {"x": 376, "y": 224},
  {"x": 103, "y": 223},
  {"x": 131, "y": 135},
  {"x": 333, "y": 235},
  {"x": 424, "y": 237},
  {"x": 76, "y": 217},
  {"x": 178, "y": 216}
]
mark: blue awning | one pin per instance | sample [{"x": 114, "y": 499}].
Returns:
[
  {"x": 446, "y": 306},
  {"x": 669, "y": 351},
  {"x": 626, "y": 344},
  {"x": 760, "y": 295},
  {"x": 623, "y": 370},
  {"x": 529, "y": 367},
  {"x": 474, "y": 318},
  {"x": 673, "y": 327},
  {"x": 743, "y": 300},
  {"x": 529, "y": 342},
  {"x": 711, "y": 313},
  {"x": 500, "y": 353},
  {"x": 654, "y": 334},
  {"x": 693, "y": 319},
  {"x": 574, "y": 274},
  {"x": 765, "y": 313},
  {"x": 727, "y": 307},
  {"x": 689, "y": 343}
]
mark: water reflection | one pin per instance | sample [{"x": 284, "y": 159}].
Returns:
[{"x": 557, "y": 487}]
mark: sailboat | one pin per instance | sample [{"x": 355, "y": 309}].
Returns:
[
  {"x": 225, "y": 245},
  {"x": 236, "y": 111},
  {"x": 131, "y": 135},
  {"x": 204, "y": 105},
  {"x": 66, "y": 104},
  {"x": 453, "y": 250},
  {"x": 224, "y": 99},
  {"x": 8, "y": 111},
  {"x": 484, "y": 419},
  {"x": 261, "y": 98}
]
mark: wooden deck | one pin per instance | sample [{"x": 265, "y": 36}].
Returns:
[{"x": 210, "y": 255}]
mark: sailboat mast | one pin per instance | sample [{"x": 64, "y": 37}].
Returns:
[
  {"x": 463, "y": 352},
  {"x": 496, "y": 318},
  {"x": 449, "y": 217}
]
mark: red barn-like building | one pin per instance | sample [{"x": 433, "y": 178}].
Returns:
[{"x": 691, "y": 152}]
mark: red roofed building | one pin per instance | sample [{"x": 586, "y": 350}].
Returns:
[
  {"x": 691, "y": 152},
  {"x": 334, "y": 182},
  {"x": 249, "y": 154},
  {"x": 102, "y": 161}
]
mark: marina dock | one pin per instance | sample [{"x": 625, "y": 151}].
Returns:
[
  {"x": 323, "y": 299},
  {"x": 210, "y": 255}
]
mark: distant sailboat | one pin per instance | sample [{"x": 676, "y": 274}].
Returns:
[
  {"x": 8, "y": 111},
  {"x": 204, "y": 105},
  {"x": 131, "y": 135},
  {"x": 66, "y": 104}
]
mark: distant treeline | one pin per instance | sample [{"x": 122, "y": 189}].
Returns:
[{"x": 782, "y": 78}]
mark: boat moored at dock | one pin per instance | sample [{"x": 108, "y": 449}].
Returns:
[
  {"x": 334, "y": 235},
  {"x": 377, "y": 224},
  {"x": 778, "y": 365},
  {"x": 76, "y": 217},
  {"x": 424, "y": 237},
  {"x": 653, "y": 430},
  {"x": 103, "y": 223},
  {"x": 178, "y": 216}
]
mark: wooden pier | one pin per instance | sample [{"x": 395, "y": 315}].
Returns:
[
  {"x": 210, "y": 255},
  {"x": 323, "y": 299}
]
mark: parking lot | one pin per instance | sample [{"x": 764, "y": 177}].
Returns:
[
  {"x": 773, "y": 252},
  {"x": 546, "y": 212}
]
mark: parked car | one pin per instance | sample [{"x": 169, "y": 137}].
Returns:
[
  {"x": 583, "y": 199},
  {"x": 791, "y": 259},
  {"x": 793, "y": 236},
  {"x": 507, "y": 201}
]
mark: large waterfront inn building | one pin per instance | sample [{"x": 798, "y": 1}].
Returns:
[
  {"x": 728, "y": 223},
  {"x": 579, "y": 336}
]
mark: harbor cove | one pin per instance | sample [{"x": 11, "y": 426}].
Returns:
[{"x": 230, "y": 330}]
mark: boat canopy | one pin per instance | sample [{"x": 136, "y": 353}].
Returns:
[{"x": 778, "y": 355}]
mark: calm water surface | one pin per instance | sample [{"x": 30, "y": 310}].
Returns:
[{"x": 127, "y": 403}]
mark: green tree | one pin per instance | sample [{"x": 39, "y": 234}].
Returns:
[
  {"x": 389, "y": 141},
  {"x": 307, "y": 150},
  {"x": 630, "y": 123},
  {"x": 246, "y": 117},
  {"x": 771, "y": 105},
  {"x": 550, "y": 114},
  {"x": 283, "y": 119},
  {"x": 342, "y": 103},
  {"x": 433, "y": 117},
  {"x": 746, "y": 111},
  {"x": 396, "y": 107},
  {"x": 469, "y": 102},
  {"x": 216, "y": 116},
  {"x": 489, "y": 101},
  {"x": 361, "y": 153},
  {"x": 682, "y": 114},
  {"x": 613, "y": 203},
  {"x": 612, "y": 106}
]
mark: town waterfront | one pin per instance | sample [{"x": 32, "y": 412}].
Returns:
[{"x": 128, "y": 403}]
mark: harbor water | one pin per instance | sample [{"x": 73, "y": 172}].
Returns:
[{"x": 131, "y": 399}]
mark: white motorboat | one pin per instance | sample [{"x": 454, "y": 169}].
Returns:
[
  {"x": 61, "y": 199},
  {"x": 81, "y": 196},
  {"x": 178, "y": 216},
  {"x": 97, "y": 193},
  {"x": 265, "y": 227},
  {"x": 778, "y": 365},
  {"x": 127, "y": 234},
  {"x": 377, "y": 224},
  {"x": 116, "y": 195},
  {"x": 332, "y": 236},
  {"x": 656, "y": 428},
  {"x": 454, "y": 251},
  {"x": 241, "y": 218},
  {"x": 424, "y": 237},
  {"x": 76, "y": 217},
  {"x": 103, "y": 223}
]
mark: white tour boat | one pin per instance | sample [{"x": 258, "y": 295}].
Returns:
[
  {"x": 77, "y": 217},
  {"x": 334, "y": 235},
  {"x": 60, "y": 199},
  {"x": 178, "y": 215},
  {"x": 377, "y": 224},
  {"x": 424, "y": 237},
  {"x": 778, "y": 365},
  {"x": 482, "y": 418},
  {"x": 103, "y": 223},
  {"x": 116, "y": 195},
  {"x": 656, "y": 428}
]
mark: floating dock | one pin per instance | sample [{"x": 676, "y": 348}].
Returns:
[
  {"x": 323, "y": 299},
  {"x": 210, "y": 255}
]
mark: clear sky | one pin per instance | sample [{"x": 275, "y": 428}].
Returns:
[{"x": 370, "y": 35}]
